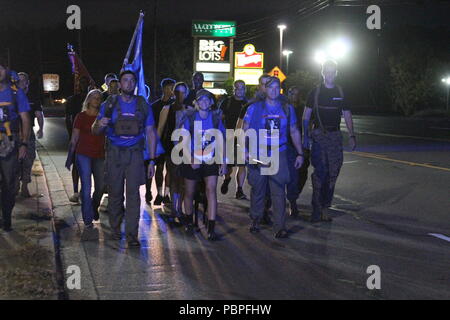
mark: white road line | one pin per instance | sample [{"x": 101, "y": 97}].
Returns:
[
  {"x": 347, "y": 162},
  {"x": 440, "y": 236},
  {"x": 398, "y": 136},
  {"x": 439, "y": 128}
]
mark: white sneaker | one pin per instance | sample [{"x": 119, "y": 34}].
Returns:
[{"x": 75, "y": 198}]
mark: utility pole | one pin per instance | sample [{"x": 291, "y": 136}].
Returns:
[
  {"x": 154, "y": 45},
  {"x": 79, "y": 45},
  {"x": 9, "y": 57}
]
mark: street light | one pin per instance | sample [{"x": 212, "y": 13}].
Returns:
[
  {"x": 281, "y": 27},
  {"x": 287, "y": 53},
  {"x": 336, "y": 50},
  {"x": 320, "y": 56},
  {"x": 446, "y": 81}
]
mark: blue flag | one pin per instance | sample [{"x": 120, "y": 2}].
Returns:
[
  {"x": 137, "y": 67},
  {"x": 136, "y": 64}
]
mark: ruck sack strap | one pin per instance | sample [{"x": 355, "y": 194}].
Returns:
[
  {"x": 316, "y": 105},
  {"x": 112, "y": 102}
]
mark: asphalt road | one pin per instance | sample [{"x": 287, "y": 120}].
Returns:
[{"x": 392, "y": 194}]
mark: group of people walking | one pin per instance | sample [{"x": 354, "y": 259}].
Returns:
[
  {"x": 17, "y": 138},
  {"x": 121, "y": 141}
]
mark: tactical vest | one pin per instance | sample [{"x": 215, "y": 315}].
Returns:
[
  {"x": 316, "y": 105},
  {"x": 127, "y": 125},
  {"x": 7, "y": 143}
]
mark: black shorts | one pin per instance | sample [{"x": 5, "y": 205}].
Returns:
[{"x": 205, "y": 170}]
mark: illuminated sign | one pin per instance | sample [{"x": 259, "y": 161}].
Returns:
[
  {"x": 276, "y": 72},
  {"x": 212, "y": 67},
  {"x": 51, "y": 82},
  {"x": 212, "y": 50},
  {"x": 249, "y": 76},
  {"x": 213, "y": 28},
  {"x": 249, "y": 58}
]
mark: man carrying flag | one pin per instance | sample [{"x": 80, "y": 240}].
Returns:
[{"x": 129, "y": 125}]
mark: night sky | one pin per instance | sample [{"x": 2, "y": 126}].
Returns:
[{"x": 256, "y": 23}]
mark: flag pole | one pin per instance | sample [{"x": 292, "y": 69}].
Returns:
[{"x": 125, "y": 61}]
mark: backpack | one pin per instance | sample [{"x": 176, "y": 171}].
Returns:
[
  {"x": 316, "y": 105},
  {"x": 190, "y": 116},
  {"x": 7, "y": 143},
  {"x": 127, "y": 125}
]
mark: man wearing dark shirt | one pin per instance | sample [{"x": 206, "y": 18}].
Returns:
[
  {"x": 36, "y": 112},
  {"x": 231, "y": 108},
  {"x": 324, "y": 107},
  {"x": 112, "y": 83},
  {"x": 167, "y": 98},
  {"x": 73, "y": 107},
  {"x": 298, "y": 176},
  {"x": 197, "y": 84}
]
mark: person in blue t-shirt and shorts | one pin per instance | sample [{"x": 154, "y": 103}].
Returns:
[
  {"x": 206, "y": 167},
  {"x": 128, "y": 123}
]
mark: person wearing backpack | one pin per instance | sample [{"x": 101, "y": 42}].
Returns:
[
  {"x": 231, "y": 107},
  {"x": 36, "y": 113},
  {"x": 204, "y": 167},
  {"x": 162, "y": 196},
  {"x": 298, "y": 177},
  {"x": 273, "y": 119},
  {"x": 14, "y": 107},
  {"x": 324, "y": 107},
  {"x": 166, "y": 126},
  {"x": 128, "y": 123}
]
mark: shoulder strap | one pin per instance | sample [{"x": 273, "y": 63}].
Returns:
[
  {"x": 216, "y": 116},
  {"x": 142, "y": 106},
  {"x": 256, "y": 115},
  {"x": 14, "y": 97},
  {"x": 316, "y": 108},
  {"x": 340, "y": 91},
  {"x": 112, "y": 102},
  {"x": 287, "y": 112}
]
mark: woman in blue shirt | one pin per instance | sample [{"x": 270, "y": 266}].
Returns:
[{"x": 203, "y": 158}]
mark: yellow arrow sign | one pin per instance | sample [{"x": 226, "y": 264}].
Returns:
[{"x": 276, "y": 72}]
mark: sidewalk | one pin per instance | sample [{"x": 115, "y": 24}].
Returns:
[
  {"x": 69, "y": 226},
  {"x": 27, "y": 256}
]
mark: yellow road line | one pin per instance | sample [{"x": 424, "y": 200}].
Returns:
[{"x": 381, "y": 157}]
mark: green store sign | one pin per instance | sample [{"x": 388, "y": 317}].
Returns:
[{"x": 213, "y": 28}]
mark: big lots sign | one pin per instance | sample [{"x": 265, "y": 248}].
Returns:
[
  {"x": 212, "y": 50},
  {"x": 249, "y": 58}
]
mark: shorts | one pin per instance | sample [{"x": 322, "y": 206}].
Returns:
[{"x": 205, "y": 170}]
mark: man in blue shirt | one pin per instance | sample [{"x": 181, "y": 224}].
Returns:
[
  {"x": 14, "y": 108},
  {"x": 275, "y": 119},
  {"x": 128, "y": 123}
]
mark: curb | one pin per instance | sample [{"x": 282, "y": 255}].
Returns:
[{"x": 59, "y": 273}]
